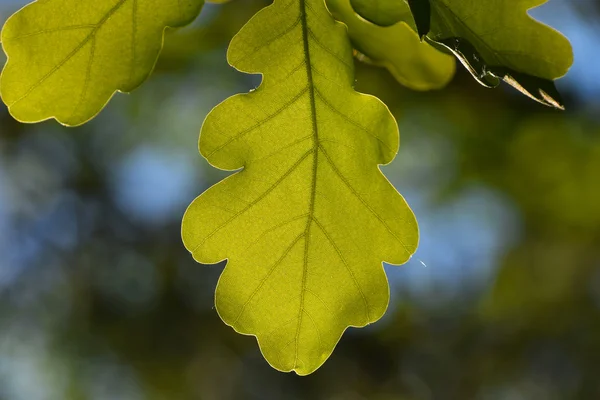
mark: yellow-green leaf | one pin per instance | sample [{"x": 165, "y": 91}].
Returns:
[
  {"x": 307, "y": 221},
  {"x": 413, "y": 63},
  {"x": 382, "y": 12},
  {"x": 66, "y": 58}
]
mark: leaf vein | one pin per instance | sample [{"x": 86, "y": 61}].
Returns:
[
  {"x": 350, "y": 120},
  {"x": 266, "y": 277},
  {"x": 348, "y": 269},
  {"x": 88, "y": 75},
  {"x": 257, "y": 200},
  {"x": 72, "y": 54},
  {"x": 328, "y": 50},
  {"x": 364, "y": 203},
  {"x": 260, "y": 123},
  {"x": 274, "y": 39},
  {"x": 60, "y": 29}
]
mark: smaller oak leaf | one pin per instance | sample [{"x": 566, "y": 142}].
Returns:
[
  {"x": 66, "y": 58},
  {"x": 413, "y": 63}
]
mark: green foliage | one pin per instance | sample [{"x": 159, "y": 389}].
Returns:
[
  {"x": 68, "y": 66},
  {"x": 292, "y": 222},
  {"x": 382, "y": 12},
  {"x": 308, "y": 217},
  {"x": 397, "y": 47},
  {"x": 494, "y": 40}
]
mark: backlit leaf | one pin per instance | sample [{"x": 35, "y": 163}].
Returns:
[
  {"x": 66, "y": 58},
  {"x": 308, "y": 219},
  {"x": 382, "y": 12}
]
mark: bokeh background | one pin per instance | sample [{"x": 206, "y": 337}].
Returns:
[{"x": 100, "y": 301}]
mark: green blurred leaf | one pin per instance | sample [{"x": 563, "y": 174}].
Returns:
[
  {"x": 307, "y": 221},
  {"x": 496, "y": 40},
  {"x": 413, "y": 63},
  {"x": 382, "y": 12},
  {"x": 66, "y": 58}
]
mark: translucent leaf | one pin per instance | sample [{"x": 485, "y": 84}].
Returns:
[
  {"x": 66, "y": 58},
  {"x": 308, "y": 219},
  {"x": 382, "y": 12}
]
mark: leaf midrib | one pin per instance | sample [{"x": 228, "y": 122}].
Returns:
[{"x": 313, "y": 187}]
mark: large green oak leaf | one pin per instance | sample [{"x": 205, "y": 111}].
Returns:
[
  {"x": 66, "y": 58},
  {"x": 494, "y": 39},
  {"x": 413, "y": 63},
  {"x": 308, "y": 218}
]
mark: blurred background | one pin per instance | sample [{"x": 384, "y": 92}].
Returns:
[{"x": 99, "y": 300}]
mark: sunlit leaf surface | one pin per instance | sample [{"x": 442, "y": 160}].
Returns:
[
  {"x": 307, "y": 221},
  {"x": 382, "y": 12},
  {"x": 66, "y": 58}
]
